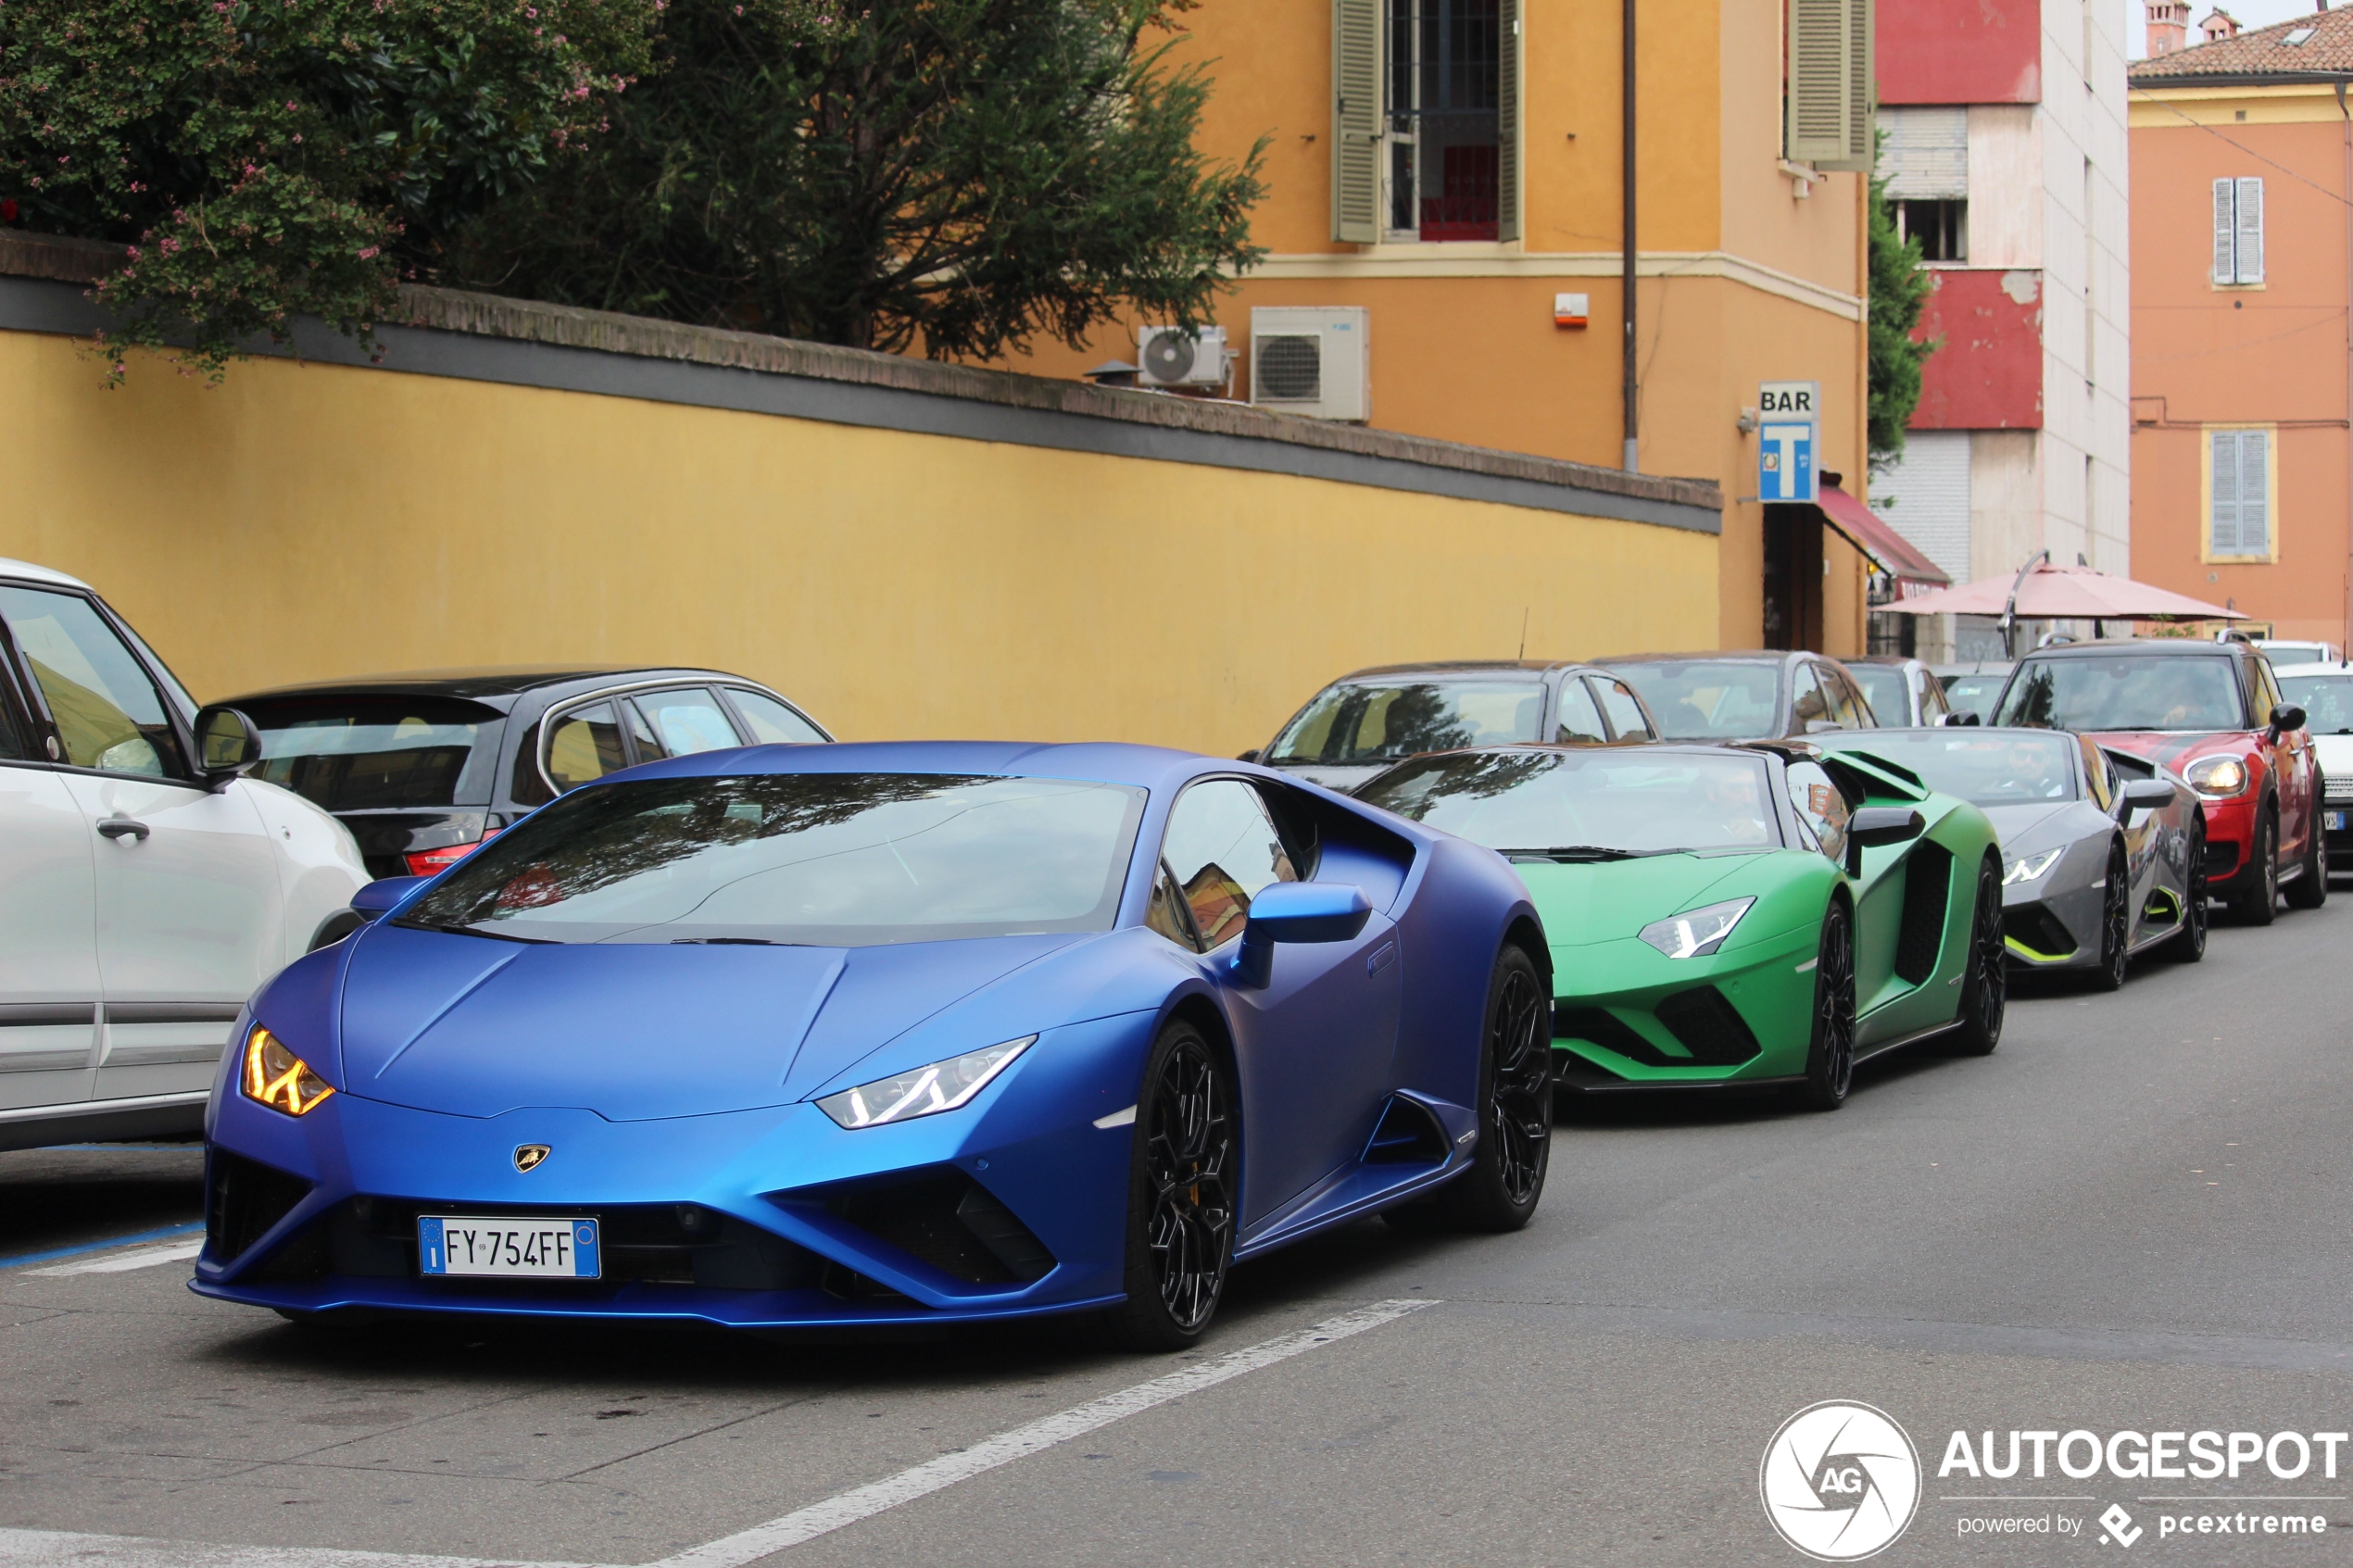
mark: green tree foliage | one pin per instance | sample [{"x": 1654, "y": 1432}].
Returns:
[
  {"x": 953, "y": 176},
  {"x": 1899, "y": 290},
  {"x": 269, "y": 158}
]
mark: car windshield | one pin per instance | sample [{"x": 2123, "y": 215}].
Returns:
[
  {"x": 2327, "y": 701},
  {"x": 1710, "y": 699},
  {"x": 2125, "y": 691},
  {"x": 1578, "y": 805},
  {"x": 1363, "y": 721},
  {"x": 1884, "y": 688},
  {"x": 821, "y": 859},
  {"x": 1975, "y": 694},
  {"x": 1984, "y": 768},
  {"x": 362, "y": 753}
]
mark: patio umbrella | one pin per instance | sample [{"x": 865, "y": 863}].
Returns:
[{"x": 2044, "y": 592}]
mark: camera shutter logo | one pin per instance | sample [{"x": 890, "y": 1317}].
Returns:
[{"x": 1841, "y": 1481}]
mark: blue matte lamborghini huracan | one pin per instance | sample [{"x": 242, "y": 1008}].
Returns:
[{"x": 866, "y": 1035}]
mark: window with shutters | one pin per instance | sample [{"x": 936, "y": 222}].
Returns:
[
  {"x": 1830, "y": 95},
  {"x": 1425, "y": 129},
  {"x": 2238, "y": 231},
  {"x": 2241, "y": 486}
]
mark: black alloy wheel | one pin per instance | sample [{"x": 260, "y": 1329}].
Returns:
[
  {"x": 1182, "y": 1191},
  {"x": 2188, "y": 944},
  {"x": 2260, "y": 904},
  {"x": 1500, "y": 1189},
  {"x": 1830, "y": 1056},
  {"x": 2116, "y": 922},
  {"x": 1985, "y": 984},
  {"x": 2311, "y": 890}
]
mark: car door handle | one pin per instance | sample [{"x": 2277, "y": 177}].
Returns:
[{"x": 115, "y": 827}]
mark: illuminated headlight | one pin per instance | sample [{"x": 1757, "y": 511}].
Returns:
[
  {"x": 2027, "y": 868},
  {"x": 1698, "y": 933},
  {"x": 927, "y": 1091},
  {"x": 275, "y": 1076},
  {"x": 2217, "y": 778}
]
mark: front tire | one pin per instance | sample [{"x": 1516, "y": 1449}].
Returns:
[
  {"x": 1830, "y": 1056},
  {"x": 1499, "y": 1191},
  {"x": 2311, "y": 890},
  {"x": 2260, "y": 904},
  {"x": 1183, "y": 1183},
  {"x": 1985, "y": 984},
  {"x": 2116, "y": 922}
]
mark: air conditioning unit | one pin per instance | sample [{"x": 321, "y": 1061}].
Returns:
[
  {"x": 1173, "y": 357},
  {"x": 1315, "y": 360}
]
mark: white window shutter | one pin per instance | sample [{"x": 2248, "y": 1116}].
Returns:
[
  {"x": 2255, "y": 493},
  {"x": 2226, "y": 267},
  {"x": 1819, "y": 66},
  {"x": 2222, "y": 446},
  {"x": 2250, "y": 232},
  {"x": 1356, "y": 115},
  {"x": 1508, "y": 20}
]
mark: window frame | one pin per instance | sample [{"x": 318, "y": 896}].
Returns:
[
  {"x": 727, "y": 695},
  {"x": 541, "y": 734},
  {"x": 1593, "y": 700},
  {"x": 42, "y": 734},
  {"x": 1617, "y": 737}
]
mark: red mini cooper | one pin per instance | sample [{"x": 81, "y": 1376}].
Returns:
[{"x": 2212, "y": 713}]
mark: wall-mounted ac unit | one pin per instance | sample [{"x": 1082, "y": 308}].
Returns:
[
  {"x": 1173, "y": 357},
  {"x": 1312, "y": 359}
]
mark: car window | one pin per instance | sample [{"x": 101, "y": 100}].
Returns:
[
  {"x": 359, "y": 753},
  {"x": 1708, "y": 698},
  {"x": 1821, "y": 809},
  {"x": 16, "y": 745},
  {"x": 1581, "y": 721},
  {"x": 1808, "y": 705},
  {"x": 1359, "y": 721},
  {"x": 1166, "y": 914},
  {"x": 1625, "y": 712},
  {"x": 1588, "y": 805},
  {"x": 1846, "y": 704},
  {"x": 2267, "y": 691},
  {"x": 2327, "y": 701},
  {"x": 684, "y": 721},
  {"x": 1886, "y": 688},
  {"x": 108, "y": 713},
  {"x": 1932, "y": 704},
  {"x": 2098, "y": 772},
  {"x": 1223, "y": 848},
  {"x": 770, "y": 723},
  {"x": 2125, "y": 691},
  {"x": 1974, "y": 694},
  {"x": 585, "y": 745}
]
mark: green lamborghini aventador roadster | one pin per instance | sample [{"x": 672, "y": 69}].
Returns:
[{"x": 1756, "y": 914}]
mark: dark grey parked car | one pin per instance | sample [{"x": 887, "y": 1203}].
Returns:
[
  {"x": 2103, "y": 852},
  {"x": 1745, "y": 695},
  {"x": 1363, "y": 723},
  {"x": 423, "y": 767}
]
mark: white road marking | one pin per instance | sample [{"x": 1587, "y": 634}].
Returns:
[
  {"x": 1118, "y": 1118},
  {"x": 137, "y": 1258},
  {"x": 55, "y": 1549}
]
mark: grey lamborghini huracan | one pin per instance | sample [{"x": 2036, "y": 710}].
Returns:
[{"x": 2103, "y": 853}]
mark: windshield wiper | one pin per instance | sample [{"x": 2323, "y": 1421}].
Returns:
[
  {"x": 1580, "y": 853},
  {"x": 477, "y": 931}
]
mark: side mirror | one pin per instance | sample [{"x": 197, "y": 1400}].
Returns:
[
  {"x": 2285, "y": 717},
  {"x": 378, "y": 897},
  {"x": 1249, "y": 756},
  {"x": 1297, "y": 911},
  {"x": 2148, "y": 794},
  {"x": 1875, "y": 826},
  {"x": 228, "y": 747}
]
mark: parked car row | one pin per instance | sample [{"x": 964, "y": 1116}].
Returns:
[{"x": 660, "y": 1005}]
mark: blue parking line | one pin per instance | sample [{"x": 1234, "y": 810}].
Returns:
[{"x": 164, "y": 1235}]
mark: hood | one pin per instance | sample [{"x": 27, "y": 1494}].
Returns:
[
  {"x": 2021, "y": 826},
  {"x": 2172, "y": 749},
  {"x": 471, "y": 1026},
  {"x": 1580, "y": 905}
]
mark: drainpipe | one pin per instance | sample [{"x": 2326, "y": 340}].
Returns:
[
  {"x": 2345, "y": 647},
  {"x": 1626, "y": 247}
]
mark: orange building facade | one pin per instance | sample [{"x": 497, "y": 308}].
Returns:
[
  {"x": 2242, "y": 159},
  {"x": 1482, "y": 198}
]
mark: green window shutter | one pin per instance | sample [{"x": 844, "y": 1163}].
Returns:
[
  {"x": 1356, "y": 120},
  {"x": 1508, "y": 180},
  {"x": 1820, "y": 63}
]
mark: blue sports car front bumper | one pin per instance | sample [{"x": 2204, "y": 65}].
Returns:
[{"x": 767, "y": 1218}]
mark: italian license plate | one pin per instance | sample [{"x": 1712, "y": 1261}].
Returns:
[
  {"x": 2336, "y": 822},
  {"x": 486, "y": 1245}
]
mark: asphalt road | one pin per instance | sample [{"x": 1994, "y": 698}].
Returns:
[{"x": 2133, "y": 1218}]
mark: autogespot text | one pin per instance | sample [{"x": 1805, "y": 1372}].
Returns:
[{"x": 2152, "y": 1456}]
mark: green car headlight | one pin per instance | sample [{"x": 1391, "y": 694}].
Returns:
[
  {"x": 927, "y": 1091},
  {"x": 1698, "y": 933},
  {"x": 2028, "y": 867}
]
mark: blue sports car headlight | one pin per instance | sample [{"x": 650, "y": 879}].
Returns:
[
  {"x": 1698, "y": 933},
  {"x": 927, "y": 1091}
]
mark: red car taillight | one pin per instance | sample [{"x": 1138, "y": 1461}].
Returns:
[{"x": 432, "y": 863}]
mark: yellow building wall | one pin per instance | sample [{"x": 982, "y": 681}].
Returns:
[{"x": 306, "y": 521}]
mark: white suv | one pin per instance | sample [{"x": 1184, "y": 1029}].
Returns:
[{"x": 146, "y": 887}]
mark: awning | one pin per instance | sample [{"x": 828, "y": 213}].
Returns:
[{"x": 1896, "y": 555}]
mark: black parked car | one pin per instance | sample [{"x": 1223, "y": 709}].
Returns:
[
  {"x": 1761, "y": 694},
  {"x": 423, "y": 767}
]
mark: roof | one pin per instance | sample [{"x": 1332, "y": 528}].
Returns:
[
  {"x": 2324, "y": 667},
  {"x": 2262, "y": 52},
  {"x": 1465, "y": 667},
  {"x": 1896, "y": 555},
  {"x": 2178, "y": 647},
  {"x": 1722, "y": 656},
  {"x": 25, "y": 568},
  {"x": 1899, "y": 658},
  {"x": 495, "y": 679}
]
